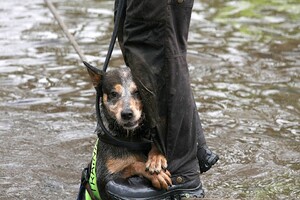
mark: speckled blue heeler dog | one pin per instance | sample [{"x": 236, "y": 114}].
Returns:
[{"x": 122, "y": 114}]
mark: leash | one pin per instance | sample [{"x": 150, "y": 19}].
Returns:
[
  {"x": 102, "y": 132},
  {"x": 65, "y": 30}
]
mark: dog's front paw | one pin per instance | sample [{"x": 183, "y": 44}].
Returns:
[
  {"x": 161, "y": 180},
  {"x": 156, "y": 161}
]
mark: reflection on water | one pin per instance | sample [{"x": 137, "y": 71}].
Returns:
[{"x": 245, "y": 63}]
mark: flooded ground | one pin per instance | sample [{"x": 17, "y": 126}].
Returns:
[{"x": 245, "y": 70}]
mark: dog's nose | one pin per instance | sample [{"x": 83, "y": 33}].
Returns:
[{"x": 127, "y": 114}]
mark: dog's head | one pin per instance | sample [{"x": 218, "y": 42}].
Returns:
[{"x": 121, "y": 99}]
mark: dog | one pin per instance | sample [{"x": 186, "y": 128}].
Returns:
[{"x": 122, "y": 114}]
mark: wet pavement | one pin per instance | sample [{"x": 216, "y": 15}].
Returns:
[{"x": 244, "y": 61}]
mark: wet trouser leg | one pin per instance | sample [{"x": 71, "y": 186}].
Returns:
[{"x": 153, "y": 38}]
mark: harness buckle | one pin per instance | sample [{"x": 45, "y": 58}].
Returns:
[
  {"x": 85, "y": 185},
  {"x": 85, "y": 175}
]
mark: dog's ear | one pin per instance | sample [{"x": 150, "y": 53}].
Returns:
[{"x": 95, "y": 74}]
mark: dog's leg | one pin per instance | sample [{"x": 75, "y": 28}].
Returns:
[
  {"x": 161, "y": 180},
  {"x": 156, "y": 161},
  {"x": 135, "y": 165},
  {"x": 116, "y": 165}
]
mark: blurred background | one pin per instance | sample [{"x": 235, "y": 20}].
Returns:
[{"x": 244, "y": 59}]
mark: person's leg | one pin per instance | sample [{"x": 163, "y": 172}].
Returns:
[
  {"x": 183, "y": 123},
  {"x": 153, "y": 39},
  {"x": 206, "y": 157}
]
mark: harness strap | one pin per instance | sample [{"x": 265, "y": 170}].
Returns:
[
  {"x": 85, "y": 183},
  {"x": 92, "y": 196},
  {"x": 92, "y": 187},
  {"x": 88, "y": 187}
]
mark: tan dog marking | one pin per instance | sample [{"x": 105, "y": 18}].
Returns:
[
  {"x": 105, "y": 98},
  {"x": 116, "y": 165},
  {"x": 114, "y": 109},
  {"x": 119, "y": 88}
]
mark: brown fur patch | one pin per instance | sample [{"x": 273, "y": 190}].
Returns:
[
  {"x": 132, "y": 87},
  {"x": 116, "y": 165},
  {"x": 104, "y": 98},
  {"x": 115, "y": 109},
  {"x": 136, "y": 104},
  {"x": 119, "y": 88}
]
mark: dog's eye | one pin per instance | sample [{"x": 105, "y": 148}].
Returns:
[
  {"x": 136, "y": 94},
  {"x": 112, "y": 95}
]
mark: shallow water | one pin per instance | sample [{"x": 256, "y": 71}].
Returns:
[{"x": 245, "y": 63}]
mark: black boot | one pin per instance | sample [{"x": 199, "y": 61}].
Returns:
[
  {"x": 141, "y": 189},
  {"x": 206, "y": 158}
]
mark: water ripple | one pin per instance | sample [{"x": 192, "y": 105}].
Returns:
[{"x": 244, "y": 59}]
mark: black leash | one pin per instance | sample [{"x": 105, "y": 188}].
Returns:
[
  {"x": 102, "y": 132},
  {"x": 120, "y": 12}
]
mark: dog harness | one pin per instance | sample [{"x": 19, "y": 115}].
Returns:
[{"x": 88, "y": 187}]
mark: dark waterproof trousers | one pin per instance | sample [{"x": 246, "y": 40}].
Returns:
[{"x": 153, "y": 38}]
